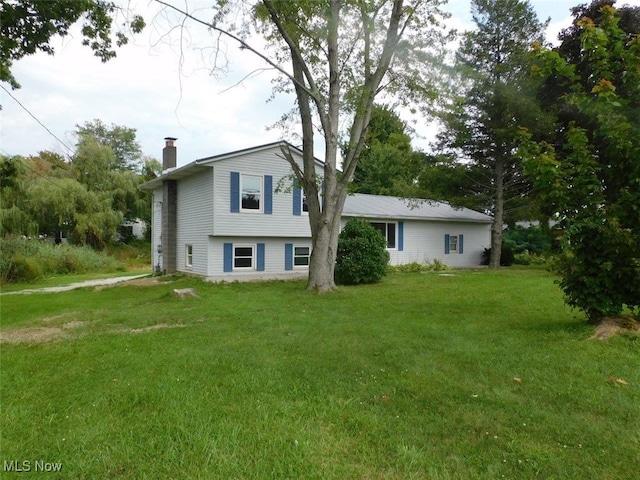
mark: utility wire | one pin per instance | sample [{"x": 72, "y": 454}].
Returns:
[{"x": 69, "y": 150}]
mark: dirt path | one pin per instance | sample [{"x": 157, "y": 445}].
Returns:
[{"x": 73, "y": 286}]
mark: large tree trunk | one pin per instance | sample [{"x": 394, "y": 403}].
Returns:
[{"x": 498, "y": 216}]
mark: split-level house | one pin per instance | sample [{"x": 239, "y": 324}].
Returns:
[{"x": 238, "y": 216}]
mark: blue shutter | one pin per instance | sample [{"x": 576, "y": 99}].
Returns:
[
  {"x": 460, "y": 243},
  {"x": 288, "y": 256},
  {"x": 228, "y": 257},
  {"x": 400, "y": 236},
  {"x": 446, "y": 244},
  {"x": 297, "y": 201},
  {"x": 268, "y": 194},
  {"x": 235, "y": 192},
  {"x": 260, "y": 255}
]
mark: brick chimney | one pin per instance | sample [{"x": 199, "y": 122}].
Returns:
[
  {"x": 169, "y": 208},
  {"x": 169, "y": 154}
]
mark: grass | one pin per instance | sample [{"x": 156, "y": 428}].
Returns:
[{"x": 476, "y": 375}]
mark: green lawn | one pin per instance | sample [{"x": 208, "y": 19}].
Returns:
[{"x": 477, "y": 375}]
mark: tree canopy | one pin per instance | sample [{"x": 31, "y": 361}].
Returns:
[
  {"x": 28, "y": 26},
  {"x": 482, "y": 124},
  {"x": 588, "y": 171}
]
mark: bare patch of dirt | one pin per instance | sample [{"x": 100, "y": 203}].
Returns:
[
  {"x": 156, "y": 327},
  {"x": 57, "y": 317},
  {"x": 38, "y": 334},
  {"x": 138, "y": 282},
  {"x": 611, "y": 326}
]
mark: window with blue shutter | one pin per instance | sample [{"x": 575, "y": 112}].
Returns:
[
  {"x": 400, "y": 236},
  {"x": 288, "y": 256},
  {"x": 260, "y": 259},
  {"x": 228, "y": 257},
  {"x": 297, "y": 201},
  {"x": 235, "y": 192},
  {"x": 268, "y": 194}
]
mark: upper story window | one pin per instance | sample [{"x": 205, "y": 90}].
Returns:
[
  {"x": 388, "y": 231},
  {"x": 251, "y": 192}
]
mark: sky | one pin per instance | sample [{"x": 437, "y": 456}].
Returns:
[{"x": 149, "y": 86}]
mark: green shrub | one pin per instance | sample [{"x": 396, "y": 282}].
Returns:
[
  {"x": 362, "y": 254},
  {"x": 507, "y": 256},
  {"x": 416, "y": 267}
]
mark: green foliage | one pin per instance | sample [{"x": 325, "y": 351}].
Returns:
[
  {"x": 417, "y": 267},
  {"x": 507, "y": 255},
  {"x": 28, "y": 26},
  {"x": 532, "y": 239},
  {"x": 481, "y": 125},
  {"x": 85, "y": 199},
  {"x": 589, "y": 171},
  {"x": 28, "y": 260},
  {"x": 387, "y": 164},
  {"x": 362, "y": 254},
  {"x": 122, "y": 140}
]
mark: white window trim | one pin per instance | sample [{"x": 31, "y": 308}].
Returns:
[
  {"x": 252, "y": 210},
  {"x": 253, "y": 257},
  {"x": 188, "y": 257},
  {"x": 301, "y": 267}
]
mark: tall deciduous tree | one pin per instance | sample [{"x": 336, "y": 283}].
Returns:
[
  {"x": 388, "y": 165},
  {"x": 483, "y": 124},
  {"x": 337, "y": 56},
  {"x": 590, "y": 173},
  {"x": 27, "y": 27},
  {"x": 121, "y": 139}
]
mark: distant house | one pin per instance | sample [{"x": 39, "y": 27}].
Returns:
[{"x": 222, "y": 217}]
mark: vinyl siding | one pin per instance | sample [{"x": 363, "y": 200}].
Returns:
[
  {"x": 281, "y": 222},
  {"x": 274, "y": 257},
  {"x": 423, "y": 242},
  {"x": 195, "y": 221}
]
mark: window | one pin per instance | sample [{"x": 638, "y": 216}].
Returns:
[
  {"x": 243, "y": 257},
  {"x": 453, "y": 243},
  {"x": 188, "y": 255},
  {"x": 301, "y": 256},
  {"x": 388, "y": 231},
  {"x": 300, "y": 205},
  {"x": 251, "y": 191}
]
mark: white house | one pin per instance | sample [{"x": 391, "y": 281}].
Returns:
[{"x": 236, "y": 216}]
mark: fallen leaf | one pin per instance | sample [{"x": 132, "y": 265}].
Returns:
[{"x": 517, "y": 379}]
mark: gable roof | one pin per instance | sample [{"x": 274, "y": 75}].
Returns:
[
  {"x": 202, "y": 163},
  {"x": 378, "y": 206}
]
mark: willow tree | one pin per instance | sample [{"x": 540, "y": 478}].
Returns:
[{"x": 336, "y": 56}]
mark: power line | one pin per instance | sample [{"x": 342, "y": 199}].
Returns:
[{"x": 69, "y": 150}]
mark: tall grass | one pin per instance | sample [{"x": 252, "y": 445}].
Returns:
[{"x": 23, "y": 260}]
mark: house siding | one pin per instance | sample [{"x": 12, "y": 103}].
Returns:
[
  {"x": 424, "y": 241},
  {"x": 279, "y": 220},
  {"x": 195, "y": 221},
  {"x": 274, "y": 256}
]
